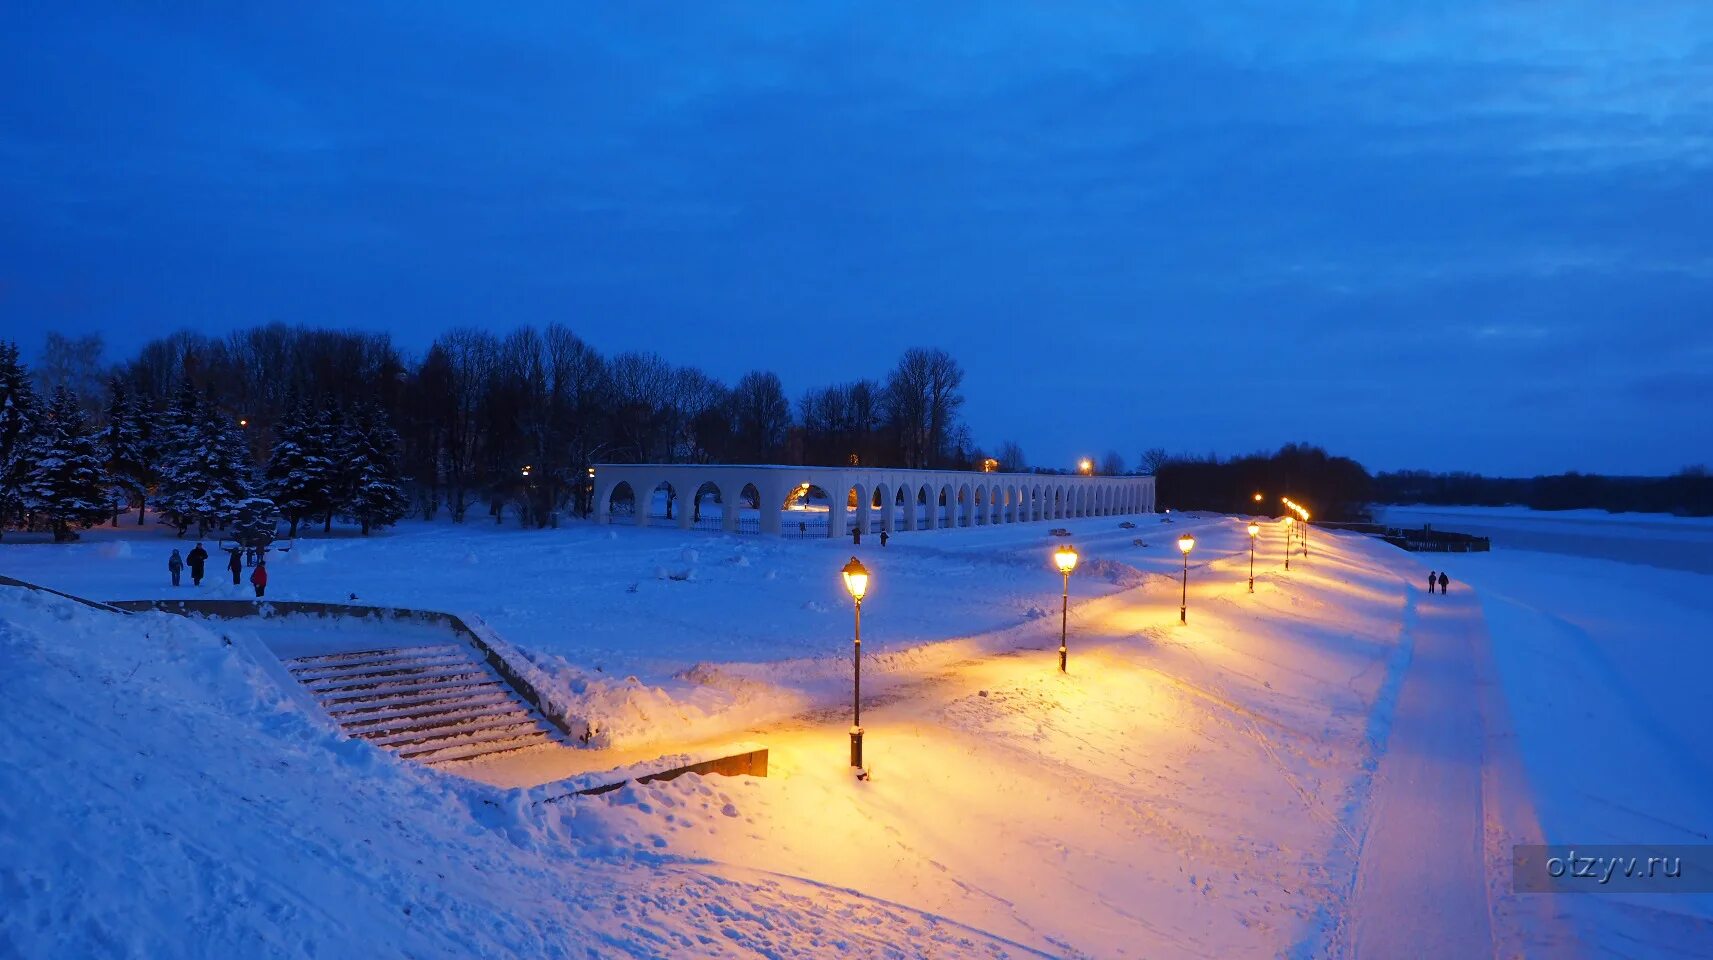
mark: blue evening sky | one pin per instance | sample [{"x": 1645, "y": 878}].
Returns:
[{"x": 1448, "y": 235}]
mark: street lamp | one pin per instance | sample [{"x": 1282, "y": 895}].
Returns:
[
  {"x": 1305, "y": 533},
  {"x": 1254, "y": 531},
  {"x": 856, "y": 583},
  {"x": 1085, "y": 466},
  {"x": 1287, "y": 544},
  {"x": 1066, "y": 559},
  {"x": 1186, "y": 543}
]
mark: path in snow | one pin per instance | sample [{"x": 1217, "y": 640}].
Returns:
[{"x": 1420, "y": 881}]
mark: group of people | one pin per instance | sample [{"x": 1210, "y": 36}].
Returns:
[
  {"x": 1443, "y": 581},
  {"x": 197, "y": 561}
]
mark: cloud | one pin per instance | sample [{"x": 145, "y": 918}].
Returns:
[{"x": 1091, "y": 186}]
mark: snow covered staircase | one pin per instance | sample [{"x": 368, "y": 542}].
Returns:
[{"x": 432, "y": 704}]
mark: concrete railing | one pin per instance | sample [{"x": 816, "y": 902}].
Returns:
[{"x": 11, "y": 582}]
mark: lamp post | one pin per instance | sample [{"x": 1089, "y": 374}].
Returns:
[
  {"x": 1305, "y": 533},
  {"x": 1287, "y": 543},
  {"x": 1085, "y": 467},
  {"x": 1066, "y": 559},
  {"x": 856, "y": 583},
  {"x": 1186, "y": 543},
  {"x": 1254, "y": 531}
]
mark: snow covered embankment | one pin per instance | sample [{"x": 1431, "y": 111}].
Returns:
[{"x": 162, "y": 796}]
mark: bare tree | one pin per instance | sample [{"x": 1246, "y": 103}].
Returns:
[
  {"x": 1112, "y": 465},
  {"x": 1153, "y": 459},
  {"x": 1010, "y": 457},
  {"x": 72, "y": 364},
  {"x": 641, "y": 385},
  {"x": 761, "y": 417},
  {"x": 471, "y": 358},
  {"x": 923, "y": 398}
]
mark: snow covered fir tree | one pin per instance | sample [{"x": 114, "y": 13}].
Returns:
[
  {"x": 18, "y": 416},
  {"x": 65, "y": 480},
  {"x": 206, "y": 472},
  {"x": 187, "y": 458},
  {"x": 376, "y": 496},
  {"x": 300, "y": 474}
]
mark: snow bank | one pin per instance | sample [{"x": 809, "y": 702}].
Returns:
[{"x": 160, "y": 797}]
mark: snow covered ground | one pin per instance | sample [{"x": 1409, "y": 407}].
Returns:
[
  {"x": 1335, "y": 765},
  {"x": 689, "y": 616},
  {"x": 1598, "y": 625}
]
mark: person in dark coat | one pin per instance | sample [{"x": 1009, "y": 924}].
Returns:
[
  {"x": 1431, "y": 581},
  {"x": 174, "y": 564},
  {"x": 235, "y": 563},
  {"x": 197, "y": 558},
  {"x": 1443, "y": 582},
  {"x": 259, "y": 577}
]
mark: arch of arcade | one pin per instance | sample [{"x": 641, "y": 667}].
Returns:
[{"x": 784, "y": 500}]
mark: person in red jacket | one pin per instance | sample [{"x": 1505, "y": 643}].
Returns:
[{"x": 259, "y": 577}]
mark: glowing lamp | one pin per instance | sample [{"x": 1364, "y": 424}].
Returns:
[
  {"x": 856, "y": 579},
  {"x": 1066, "y": 558},
  {"x": 1257, "y": 498},
  {"x": 1254, "y": 530},
  {"x": 1186, "y": 543}
]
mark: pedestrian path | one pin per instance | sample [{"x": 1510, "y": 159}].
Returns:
[{"x": 1421, "y": 886}]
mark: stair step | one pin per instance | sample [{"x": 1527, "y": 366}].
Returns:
[
  {"x": 367, "y": 697},
  {"x": 468, "y": 720},
  {"x": 385, "y": 670},
  {"x": 323, "y": 671},
  {"x": 369, "y": 708},
  {"x": 390, "y": 651},
  {"x": 472, "y": 749},
  {"x": 514, "y": 725},
  {"x": 484, "y": 754},
  {"x": 386, "y": 685},
  {"x": 371, "y": 716}
]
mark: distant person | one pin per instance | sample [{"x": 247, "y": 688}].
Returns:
[
  {"x": 235, "y": 563},
  {"x": 198, "y": 557},
  {"x": 175, "y": 563},
  {"x": 259, "y": 577},
  {"x": 1431, "y": 580},
  {"x": 1443, "y": 582}
]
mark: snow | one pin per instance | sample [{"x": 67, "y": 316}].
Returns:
[
  {"x": 603, "y": 604},
  {"x": 1334, "y": 765}
]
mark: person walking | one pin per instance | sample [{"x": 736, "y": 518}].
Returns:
[
  {"x": 1443, "y": 582},
  {"x": 1431, "y": 581},
  {"x": 175, "y": 563},
  {"x": 259, "y": 577},
  {"x": 235, "y": 563},
  {"x": 198, "y": 557}
]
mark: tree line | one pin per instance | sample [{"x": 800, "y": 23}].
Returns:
[
  {"x": 1338, "y": 488},
  {"x": 308, "y": 425},
  {"x": 1332, "y": 488},
  {"x": 186, "y": 459},
  {"x": 1689, "y": 492}
]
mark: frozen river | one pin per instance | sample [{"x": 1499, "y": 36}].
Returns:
[{"x": 1677, "y": 543}]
